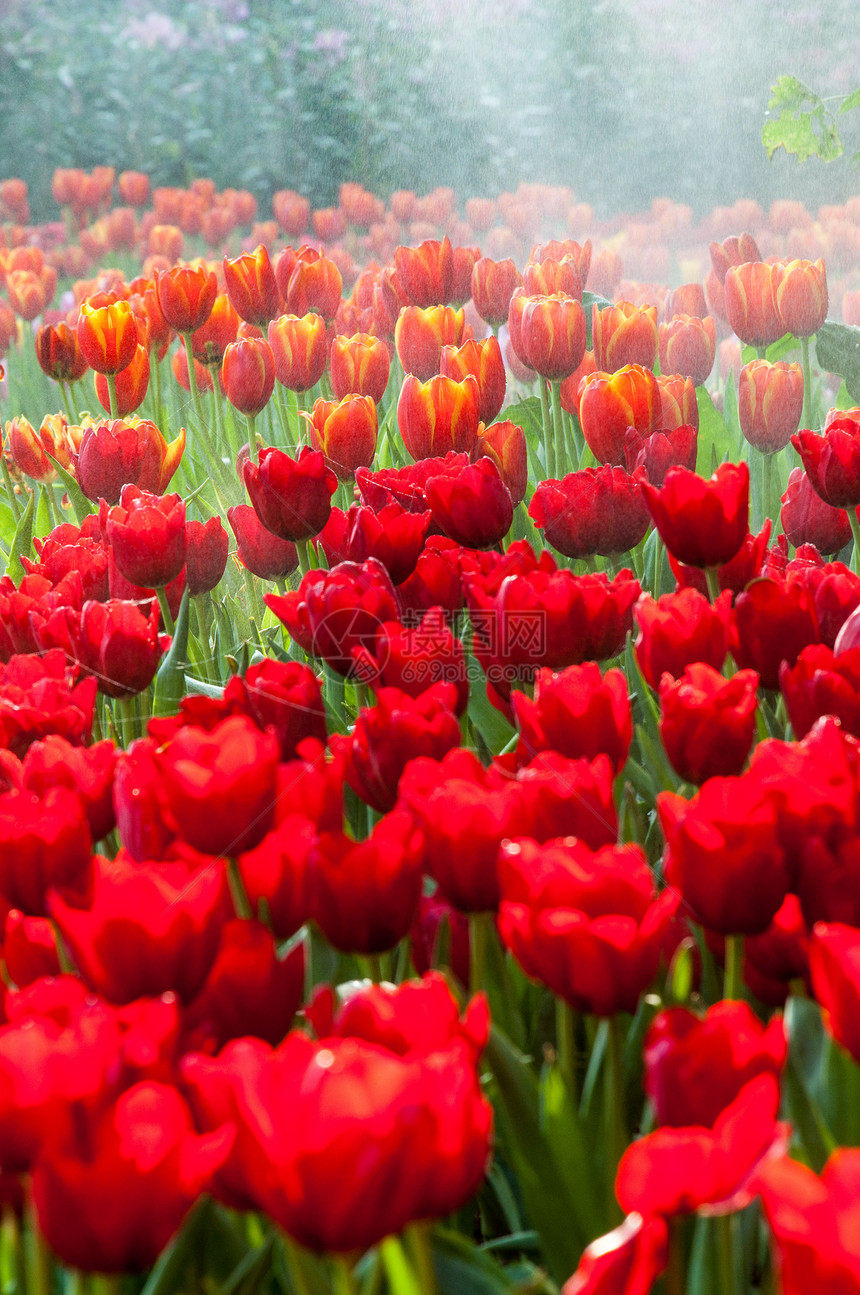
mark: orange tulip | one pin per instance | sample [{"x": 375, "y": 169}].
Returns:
[
  {"x": 107, "y": 335},
  {"x": 359, "y": 365},
  {"x": 770, "y": 403},
  {"x": 186, "y": 295},
  {"x": 133, "y": 187},
  {"x": 678, "y": 404},
  {"x": 545, "y": 278},
  {"x": 688, "y": 346},
  {"x": 166, "y": 240},
  {"x": 210, "y": 341},
  {"x": 484, "y": 361},
  {"x": 505, "y": 444},
  {"x": 132, "y": 384},
  {"x": 299, "y": 349},
  {"x": 801, "y": 296},
  {"x": 27, "y": 446},
  {"x": 437, "y": 416},
  {"x": 552, "y": 331},
  {"x": 420, "y": 333},
  {"x": 750, "y": 303},
  {"x": 426, "y": 272},
  {"x": 315, "y": 285},
  {"x": 27, "y": 293},
  {"x": 248, "y": 374},
  {"x": 291, "y": 211},
  {"x": 345, "y": 431},
  {"x": 493, "y": 285},
  {"x": 111, "y": 454},
  {"x": 624, "y": 334},
  {"x": 59, "y": 353},
  {"x": 251, "y": 286},
  {"x": 609, "y": 403}
]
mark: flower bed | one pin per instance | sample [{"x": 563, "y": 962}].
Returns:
[{"x": 429, "y": 718}]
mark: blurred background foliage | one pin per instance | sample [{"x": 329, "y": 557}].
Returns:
[{"x": 622, "y": 100}]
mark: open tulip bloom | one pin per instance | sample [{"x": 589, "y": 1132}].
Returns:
[{"x": 429, "y": 776}]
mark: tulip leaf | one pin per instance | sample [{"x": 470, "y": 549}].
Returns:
[
  {"x": 489, "y": 722},
  {"x": 22, "y": 541},
  {"x": 590, "y": 299},
  {"x": 81, "y": 506},
  {"x": 167, "y": 1275},
  {"x": 556, "y": 1196},
  {"x": 8, "y": 524},
  {"x": 527, "y": 415},
  {"x": 463, "y": 1269},
  {"x": 837, "y": 349},
  {"x": 170, "y": 680},
  {"x": 44, "y": 521},
  {"x": 714, "y": 434}
]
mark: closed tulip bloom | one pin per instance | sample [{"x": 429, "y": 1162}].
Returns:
[
  {"x": 770, "y": 403},
  {"x": 359, "y": 366},
  {"x": 206, "y": 546},
  {"x": 724, "y": 854},
  {"x": 426, "y": 272},
  {"x": 473, "y": 507},
  {"x": 186, "y": 295},
  {"x": 707, "y": 724},
  {"x": 609, "y": 403},
  {"x": 832, "y": 461},
  {"x": 392, "y": 535},
  {"x": 688, "y": 299},
  {"x": 115, "y": 641},
  {"x": 750, "y": 298},
  {"x": 484, "y": 361},
  {"x": 345, "y": 432},
  {"x": 27, "y": 294},
  {"x": 107, "y": 336},
  {"x": 678, "y": 404},
  {"x": 252, "y": 287},
  {"x": 437, "y": 416},
  {"x": 624, "y": 334},
  {"x": 132, "y": 384},
  {"x": 211, "y": 339},
  {"x": 263, "y": 553},
  {"x": 822, "y": 683},
  {"x": 834, "y": 962},
  {"x": 291, "y": 497},
  {"x": 772, "y": 622},
  {"x": 598, "y": 510},
  {"x": 113, "y": 454},
  {"x": 679, "y": 629},
  {"x": 291, "y": 211},
  {"x": 59, "y": 353},
  {"x": 588, "y": 924},
  {"x": 807, "y": 519},
  {"x": 147, "y": 534},
  {"x": 577, "y": 712},
  {"x": 299, "y": 349},
  {"x": 421, "y": 332},
  {"x": 28, "y": 447},
  {"x": 493, "y": 285},
  {"x": 702, "y": 523},
  {"x": 553, "y": 335},
  {"x": 812, "y": 1222},
  {"x": 248, "y": 374},
  {"x": 314, "y": 286},
  {"x": 544, "y": 278},
  {"x": 801, "y": 296},
  {"x": 505, "y": 444},
  {"x": 660, "y": 451},
  {"x": 733, "y": 251},
  {"x": 688, "y": 346}
]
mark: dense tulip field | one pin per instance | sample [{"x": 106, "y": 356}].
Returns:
[{"x": 429, "y": 745}]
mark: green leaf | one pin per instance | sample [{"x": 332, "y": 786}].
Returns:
[
  {"x": 553, "y": 1194},
  {"x": 7, "y": 526},
  {"x": 796, "y": 133},
  {"x": 590, "y": 299},
  {"x": 789, "y": 94},
  {"x": 463, "y": 1269},
  {"x": 81, "y": 506},
  {"x": 166, "y": 1276},
  {"x": 527, "y": 415},
  {"x": 714, "y": 434},
  {"x": 784, "y": 346},
  {"x": 837, "y": 349},
  {"x": 850, "y": 102},
  {"x": 170, "y": 680},
  {"x": 22, "y": 541}
]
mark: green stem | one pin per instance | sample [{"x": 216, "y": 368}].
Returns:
[
  {"x": 201, "y": 608},
  {"x": 253, "y": 452},
  {"x": 478, "y": 935},
  {"x": 304, "y": 558},
  {"x": 11, "y": 1253},
  {"x": 733, "y": 981},
  {"x": 402, "y": 1280},
  {"x": 238, "y": 894},
  {"x": 37, "y": 1255},
  {"x": 166, "y": 616},
  {"x": 67, "y": 404},
  {"x": 675, "y": 1275},
  {"x": 806, "y": 415},
  {"x": 766, "y": 490},
  {"x": 192, "y": 380},
  {"x": 220, "y": 434},
  {"x": 558, "y": 427},
  {"x": 296, "y": 1263},
  {"x": 725, "y": 1254},
  {"x": 155, "y": 383},
  {"x": 548, "y": 448},
  {"x": 712, "y": 575},
  {"x": 344, "y": 1280},
  {"x": 127, "y": 715},
  {"x": 111, "y": 384},
  {"x": 421, "y": 1252},
  {"x": 855, "y": 531},
  {"x": 565, "y": 1030},
  {"x": 613, "y": 1078},
  {"x": 10, "y": 489}
]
